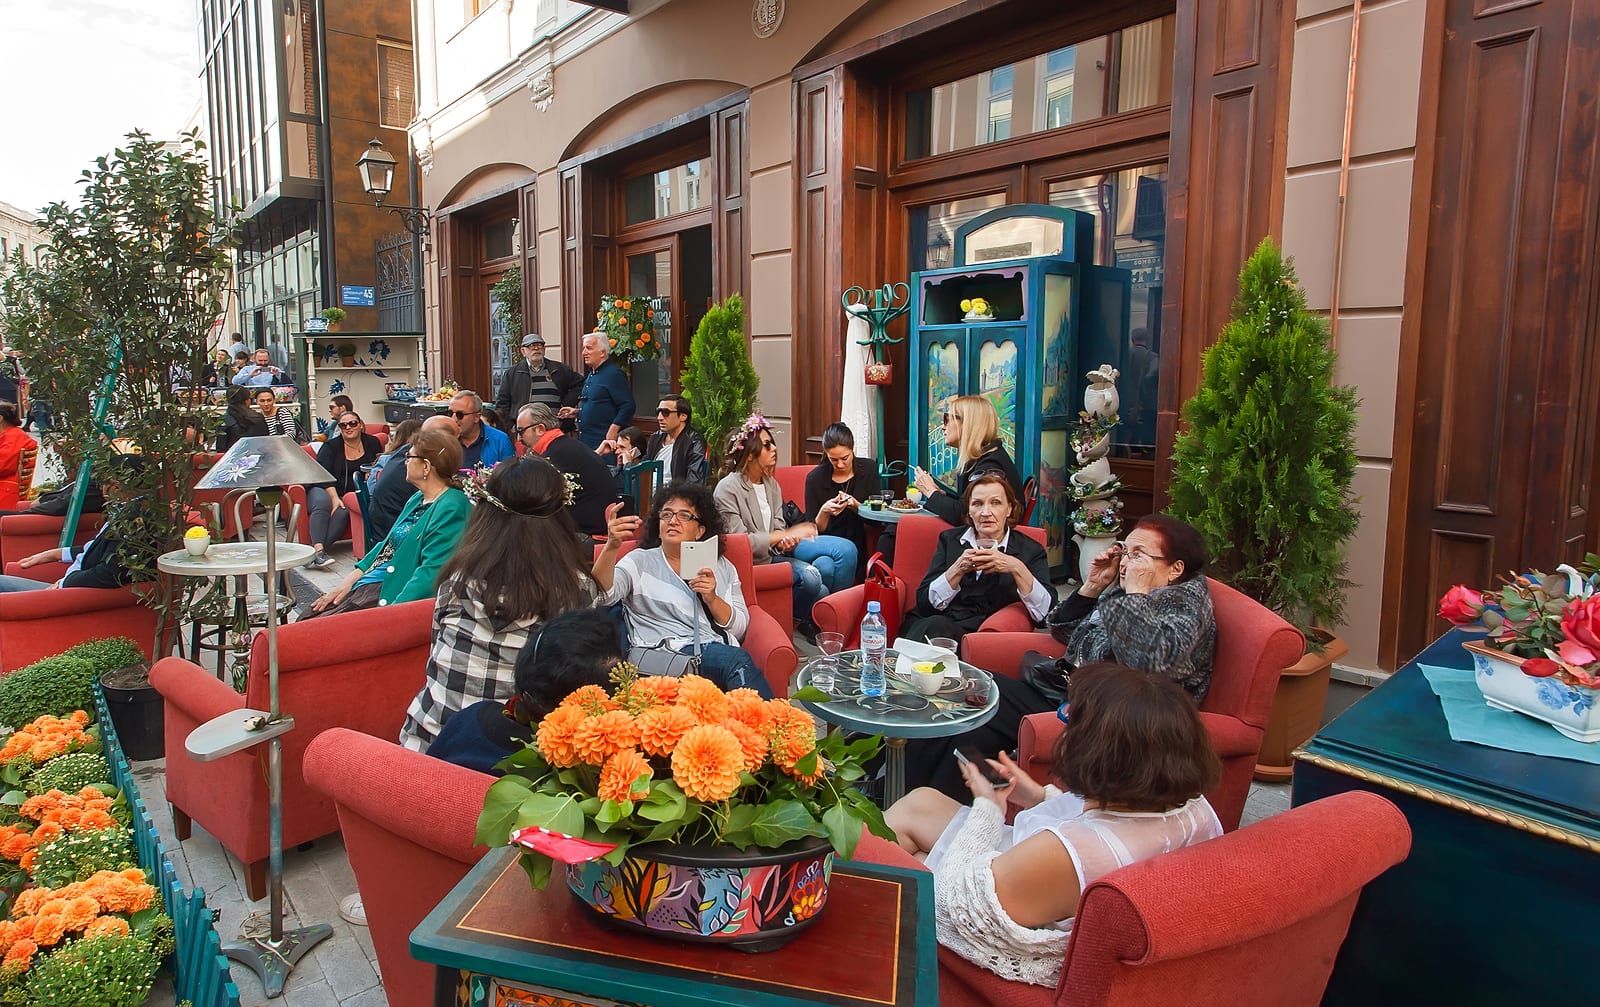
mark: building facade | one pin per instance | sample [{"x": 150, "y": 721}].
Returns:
[
  {"x": 21, "y": 231},
  {"x": 695, "y": 148},
  {"x": 294, "y": 92}
]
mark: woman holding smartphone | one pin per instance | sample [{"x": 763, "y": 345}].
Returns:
[{"x": 836, "y": 487}]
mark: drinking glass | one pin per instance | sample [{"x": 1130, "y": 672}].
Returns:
[{"x": 824, "y": 674}]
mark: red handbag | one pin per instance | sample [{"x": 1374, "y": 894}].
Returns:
[{"x": 883, "y": 587}]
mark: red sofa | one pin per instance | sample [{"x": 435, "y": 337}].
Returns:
[
  {"x": 377, "y": 787},
  {"x": 24, "y": 535},
  {"x": 1254, "y": 645},
  {"x": 38, "y": 624},
  {"x": 770, "y": 645},
  {"x": 358, "y": 670},
  {"x": 916, "y": 541},
  {"x": 1255, "y": 917}
]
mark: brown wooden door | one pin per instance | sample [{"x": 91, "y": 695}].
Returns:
[{"x": 1495, "y": 473}]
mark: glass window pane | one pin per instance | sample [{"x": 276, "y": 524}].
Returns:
[
  {"x": 667, "y": 193},
  {"x": 1130, "y": 213},
  {"x": 497, "y": 239},
  {"x": 396, "y": 95},
  {"x": 933, "y": 227},
  {"x": 1128, "y": 69}
]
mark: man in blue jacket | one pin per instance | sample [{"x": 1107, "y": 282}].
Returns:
[
  {"x": 481, "y": 444},
  {"x": 607, "y": 404}
]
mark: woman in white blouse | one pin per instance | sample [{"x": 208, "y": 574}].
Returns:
[{"x": 1134, "y": 759}]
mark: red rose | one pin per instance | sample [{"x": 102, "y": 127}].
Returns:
[
  {"x": 1461, "y": 605},
  {"x": 1580, "y": 623},
  {"x": 1539, "y": 667}
]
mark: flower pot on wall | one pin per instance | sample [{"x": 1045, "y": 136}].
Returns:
[{"x": 1297, "y": 708}]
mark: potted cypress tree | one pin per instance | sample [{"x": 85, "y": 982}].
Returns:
[
  {"x": 1263, "y": 470},
  {"x": 719, "y": 380}
]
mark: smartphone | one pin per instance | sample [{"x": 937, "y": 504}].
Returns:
[
  {"x": 696, "y": 556},
  {"x": 970, "y": 755}
]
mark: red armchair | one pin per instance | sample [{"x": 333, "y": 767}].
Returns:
[
  {"x": 1254, "y": 645},
  {"x": 916, "y": 541},
  {"x": 376, "y": 785},
  {"x": 37, "y": 624},
  {"x": 792, "y": 482},
  {"x": 1255, "y": 917},
  {"x": 24, "y": 535},
  {"x": 358, "y": 670}
]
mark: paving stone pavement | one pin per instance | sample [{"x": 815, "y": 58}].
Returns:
[{"x": 343, "y": 970}]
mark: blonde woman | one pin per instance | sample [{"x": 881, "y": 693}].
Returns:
[{"x": 972, "y": 427}]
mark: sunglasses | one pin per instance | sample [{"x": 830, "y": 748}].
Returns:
[
  {"x": 459, "y": 414},
  {"x": 667, "y": 412},
  {"x": 349, "y": 426}
]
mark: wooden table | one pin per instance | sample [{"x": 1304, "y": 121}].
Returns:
[
  {"x": 1499, "y": 899},
  {"x": 496, "y": 941}
]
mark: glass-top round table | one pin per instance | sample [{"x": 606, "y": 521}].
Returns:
[{"x": 967, "y": 700}]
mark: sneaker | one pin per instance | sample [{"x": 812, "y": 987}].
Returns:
[
  {"x": 321, "y": 561},
  {"x": 351, "y": 909}
]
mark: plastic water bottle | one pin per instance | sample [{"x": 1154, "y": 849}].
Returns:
[{"x": 874, "y": 644}]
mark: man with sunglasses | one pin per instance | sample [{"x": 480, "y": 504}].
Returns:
[
  {"x": 536, "y": 378},
  {"x": 481, "y": 444},
  {"x": 681, "y": 451}
]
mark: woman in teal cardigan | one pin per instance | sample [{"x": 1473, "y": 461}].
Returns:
[{"x": 405, "y": 565}]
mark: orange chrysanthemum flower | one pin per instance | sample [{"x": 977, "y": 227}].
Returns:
[
  {"x": 597, "y": 739},
  {"x": 81, "y": 912},
  {"x": 48, "y": 931},
  {"x": 28, "y": 860},
  {"x": 662, "y": 727},
  {"x": 591, "y": 699},
  {"x": 625, "y": 776},
  {"x": 707, "y": 762},
  {"x": 14, "y": 846},
  {"x": 107, "y": 926},
  {"x": 701, "y": 697},
  {"x": 752, "y": 743},
  {"x": 663, "y": 687},
  {"x": 20, "y": 956},
  {"x": 555, "y": 736},
  {"x": 46, "y": 832}
]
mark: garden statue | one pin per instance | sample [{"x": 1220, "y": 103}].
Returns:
[{"x": 1094, "y": 486}]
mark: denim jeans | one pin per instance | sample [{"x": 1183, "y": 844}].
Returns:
[
  {"x": 821, "y": 566},
  {"x": 10, "y": 584},
  {"x": 327, "y": 524},
  {"x": 730, "y": 667}
]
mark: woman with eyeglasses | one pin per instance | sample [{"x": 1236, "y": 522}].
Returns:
[
  {"x": 752, "y": 505},
  {"x": 344, "y": 457},
  {"x": 520, "y": 564},
  {"x": 1145, "y": 604},
  {"x": 836, "y": 487},
  {"x": 405, "y": 566},
  {"x": 1134, "y": 762},
  {"x": 670, "y": 606},
  {"x": 972, "y": 427}
]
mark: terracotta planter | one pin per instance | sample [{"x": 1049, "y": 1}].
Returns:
[
  {"x": 755, "y": 900},
  {"x": 1297, "y": 709},
  {"x": 348, "y": 361}
]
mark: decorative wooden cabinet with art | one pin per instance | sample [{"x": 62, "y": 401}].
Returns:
[{"x": 1051, "y": 317}]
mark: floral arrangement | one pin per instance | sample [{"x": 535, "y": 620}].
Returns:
[
  {"x": 1550, "y": 621},
  {"x": 628, "y": 323},
  {"x": 679, "y": 760},
  {"x": 79, "y": 919},
  {"x": 977, "y": 307},
  {"x": 1091, "y": 429},
  {"x": 1104, "y": 519}
]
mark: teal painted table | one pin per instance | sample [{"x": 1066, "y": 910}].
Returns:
[
  {"x": 496, "y": 943},
  {"x": 1503, "y": 879}
]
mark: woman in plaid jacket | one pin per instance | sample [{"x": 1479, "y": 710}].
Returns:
[{"x": 521, "y": 562}]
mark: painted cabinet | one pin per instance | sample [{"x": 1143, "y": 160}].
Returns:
[{"x": 1053, "y": 317}]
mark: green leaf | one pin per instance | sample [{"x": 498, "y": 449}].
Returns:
[
  {"x": 14, "y": 798},
  {"x": 783, "y": 821},
  {"x": 556, "y": 812},
  {"x": 844, "y": 830},
  {"x": 612, "y": 812},
  {"x": 537, "y": 867},
  {"x": 666, "y": 802},
  {"x": 810, "y": 694},
  {"x": 500, "y": 807}
]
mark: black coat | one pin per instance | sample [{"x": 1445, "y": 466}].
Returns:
[
  {"x": 239, "y": 425},
  {"x": 980, "y": 597},
  {"x": 597, "y": 487},
  {"x": 516, "y": 388},
  {"x": 948, "y": 505},
  {"x": 390, "y": 496},
  {"x": 688, "y": 455}
]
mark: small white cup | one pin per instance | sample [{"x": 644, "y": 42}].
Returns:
[{"x": 197, "y": 546}]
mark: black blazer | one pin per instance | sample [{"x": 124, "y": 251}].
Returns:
[
  {"x": 597, "y": 487},
  {"x": 234, "y": 427},
  {"x": 980, "y": 597},
  {"x": 948, "y": 505},
  {"x": 102, "y": 566}
]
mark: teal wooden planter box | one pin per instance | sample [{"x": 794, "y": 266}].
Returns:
[{"x": 200, "y": 970}]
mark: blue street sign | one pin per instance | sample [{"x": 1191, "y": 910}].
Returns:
[{"x": 356, "y": 297}]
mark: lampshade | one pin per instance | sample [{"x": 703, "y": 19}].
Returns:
[{"x": 258, "y": 462}]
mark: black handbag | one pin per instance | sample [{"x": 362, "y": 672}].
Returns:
[{"x": 1050, "y": 677}]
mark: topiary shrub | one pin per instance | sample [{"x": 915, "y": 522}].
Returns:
[
  {"x": 64, "y": 683},
  {"x": 719, "y": 380},
  {"x": 69, "y": 773},
  {"x": 109, "y": 653}
]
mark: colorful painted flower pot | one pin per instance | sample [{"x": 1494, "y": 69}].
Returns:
[
  {"x": 1570, "y": 709},
  {"x": 755, "y": 900}
]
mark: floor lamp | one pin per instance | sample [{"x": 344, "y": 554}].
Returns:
[{"x": 266, "y": 465}]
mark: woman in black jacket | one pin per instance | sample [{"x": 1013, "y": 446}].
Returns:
[
  {"x": 836, "y": 487},
  {"x": 241, "y": 420},
  {"x": 972, "y": 427}
]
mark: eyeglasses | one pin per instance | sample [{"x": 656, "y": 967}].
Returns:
[
  {"x": 523, "y": 430},
  {"x": 946, "y": 417},
  {"x": 460, "y": 414},
  {"x": 667, "y": 412},
  {"x": 679, "y": 516},
  {"x": 1137, "y": 554},
  {"x": 349, "y": 426}
]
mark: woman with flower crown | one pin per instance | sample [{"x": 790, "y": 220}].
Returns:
[
  {"x": 752, "y": 505},
  {"x": 520, "y": 563}
]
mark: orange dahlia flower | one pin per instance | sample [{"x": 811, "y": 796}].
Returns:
[
  {"x": 625, "y": 776},
  {"x": 20, "y": 956},
  {"x": 48, "y": 931},
  {"x": 752, "y": 743},
  {"x": 748, "y": 708},
  {"x": 663, "y": 687},
  {"x": 591, "y": 699},
  {"x": 701, "y": 697},
  {"x": 661, "y": 728},
  {"x": 555, "y": 736},
  {"x": 598, "y": 738},
  {"x": 707, "y": 762},
  {"x": 107, "y": 926}
]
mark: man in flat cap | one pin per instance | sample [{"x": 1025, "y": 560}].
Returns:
[{"x": 535, "y": 378}]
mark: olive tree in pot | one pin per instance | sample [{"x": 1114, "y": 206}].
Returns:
[{"x": 1263, "y": 470}]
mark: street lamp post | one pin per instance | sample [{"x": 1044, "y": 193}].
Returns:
[{"x": 377, "y": 178}]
